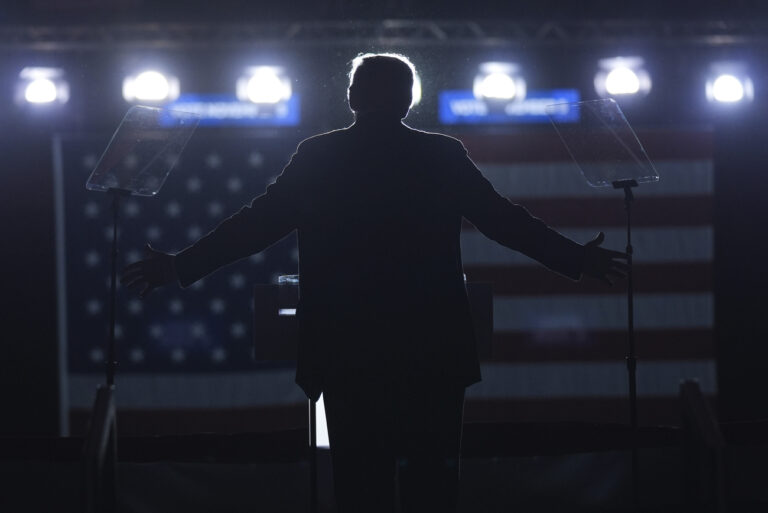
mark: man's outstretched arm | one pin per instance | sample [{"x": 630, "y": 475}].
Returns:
[
  {"x": 513, "y": 226},
  {"x": 267, "y": 219}
]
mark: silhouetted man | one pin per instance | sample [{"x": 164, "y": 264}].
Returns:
[{"x": 385, "y": 325}]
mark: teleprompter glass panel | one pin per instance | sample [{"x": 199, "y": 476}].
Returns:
[
  {"x": 603, "y": 144},
  {"x": 142, "y": 151}
]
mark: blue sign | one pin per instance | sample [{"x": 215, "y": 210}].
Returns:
[
  {"x": 222, "y": 110},
  {"x": 461, "y": 107}
]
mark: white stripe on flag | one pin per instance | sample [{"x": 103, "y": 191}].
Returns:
[
  {"x": 604, "y": 312},
  {"x": 190, "y": 390},
  {"x": 651, "y": 245},
  {"x": 554, "y": 179}
]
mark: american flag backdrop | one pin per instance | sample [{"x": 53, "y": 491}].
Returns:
[
  {"x": 559, "y": 346},
  {"x": 185, "y": 356}
]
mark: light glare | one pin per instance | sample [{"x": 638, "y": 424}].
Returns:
[
  {"x": 321, "y": 425},
  {"x": 151, "y": 86},
  {"x": 416, "y": 90},
  {"x": 41, "y": 85},
  {"x": 495, "y": 85},
  {"x": 622, "y": 76},
  {"x": 265, "y": 85},
  {"x": 622, "y": 81},
  {"x": 727, "y": 89},
  {"x": 40, "y": 90}
]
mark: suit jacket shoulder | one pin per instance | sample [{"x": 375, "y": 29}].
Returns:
[
  {"x": 322, "y": 142},
  {"x": 440, "y": 140}
]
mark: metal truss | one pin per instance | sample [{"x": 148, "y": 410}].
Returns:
[{"x": 387, "y": 32}]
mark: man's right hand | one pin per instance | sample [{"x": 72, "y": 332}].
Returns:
[{"x": 155, "y": 270}]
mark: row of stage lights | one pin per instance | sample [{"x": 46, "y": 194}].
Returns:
[
  {"x": 259, "y": 84},
  {"x": 619, "y": 76}
]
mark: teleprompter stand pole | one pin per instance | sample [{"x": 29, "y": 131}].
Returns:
[
  {"x": 111, "y": 351},
  {"x": 100, "y": 452},
  {"x": 627, "y": 185}
]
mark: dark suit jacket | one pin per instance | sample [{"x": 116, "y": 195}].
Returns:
[{"x": 378, "y": 209}]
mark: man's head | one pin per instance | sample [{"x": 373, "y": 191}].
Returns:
[{"x": 381, "y": 83}]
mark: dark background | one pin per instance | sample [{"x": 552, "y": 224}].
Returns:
[{"x": 233, "y": 10}]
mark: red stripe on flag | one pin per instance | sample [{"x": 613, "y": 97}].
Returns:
[
  {"x": 650, "y": 410},
  {"x": 674, "y": 278},
  {"x": 547, "y": 146},
  {"x": 609, "y": 211}
]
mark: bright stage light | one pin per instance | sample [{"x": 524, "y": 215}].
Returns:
[
  {"x": 727, "y": 88},
  {"x": 622, "y": 81},
  {"x": 42, "y": 86},
  {"x": 498, "y": 81},
  {"x": 622, "y": 76},
  {"x": 496, "y": 85},
  {"x": 150, "y": 86},
  {"x": 266, "y": 87},
  {"x": 264, "y": 84},
  {"x": 40, "y": 90},
  {"x": 729, "y": 84}
]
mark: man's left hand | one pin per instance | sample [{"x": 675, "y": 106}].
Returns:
[{"x": 604, "y": 264}]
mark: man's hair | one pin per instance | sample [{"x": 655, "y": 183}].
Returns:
[{"x": 381, "y": 82}]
